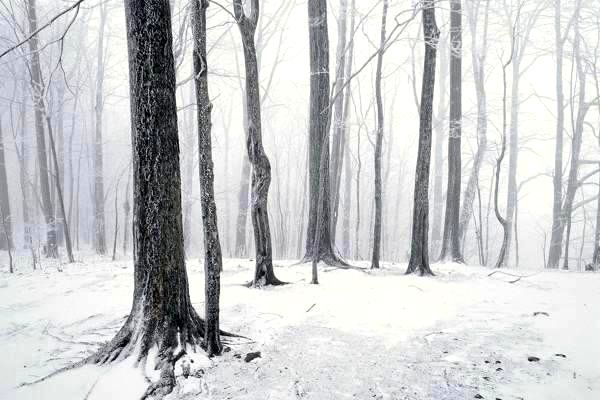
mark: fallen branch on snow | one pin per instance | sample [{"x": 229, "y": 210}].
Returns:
[{"x": 519, "y": 277}]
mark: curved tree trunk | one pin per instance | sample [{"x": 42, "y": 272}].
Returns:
[
  {"x": 261, "y": 168},
  {"x": 419, "y": 252}
]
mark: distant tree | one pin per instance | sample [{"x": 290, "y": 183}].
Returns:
[
  {"x": 379, "y": 144},
  {"x": 6, "y": 239},
  {"x": 419, "y": 252}
]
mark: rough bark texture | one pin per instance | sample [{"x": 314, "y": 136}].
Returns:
[
  {"x": 37, "y": 88},
  {"x": 212, "y": 246},
  {"x": 162, "y": 316},
  {"x": 451, "y": 249},
  {"x": 261, "y": 168},
  {"x": 6, "y": 241},
  {"x": 478, "y": 57},
  {"x": 99, "y": 218},
  {"x": 419, "y": 252},
  {"x": 379, "y": 144},
  {"x": 319, "y": 136}
]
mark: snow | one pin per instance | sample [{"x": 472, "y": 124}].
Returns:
[{"x": 359, "y": 334}]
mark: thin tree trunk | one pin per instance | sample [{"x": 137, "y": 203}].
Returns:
[
  {"x": 261, "y": 168},
  {"x": 419, "y": 254},
  {"x": 212, "y": 246},
  {"x": 379, "y": 144},
  {"x": 6, "y": 239}
]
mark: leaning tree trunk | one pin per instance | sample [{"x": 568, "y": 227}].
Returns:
[
  {"x": 419, "y": 251},
  {"x": 6, "y": 240},
  {"x": 451, "y": 249},
  {"x": 99, "y": 218},
  {"x": 37, "y": 86},
  {"x": 379, "y": 144},
  {"x": 478, "y": 57},
  {"x": 162, "y": 316},
  {"x": 212, "y": 246},
  {"x": 261, "y": 168},
  {"x": 319, "y": 137}
]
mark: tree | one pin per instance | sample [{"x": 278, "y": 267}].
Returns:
[
  {"x": 379, "y": 144},
  {"x": 419, "y": 251},
  {"x": 261, "y": 168},
  {"x": 162, "y": 315},
  {"x": 212, "y": 246},
  {"x": 37, "y": 89},
  {"x": 99, "y": 219},
  {"x": 451, "y": 249},
  {"x": 478, "y": 57},
  {"x": 319, "y": 187},
  {"x": 6, "y": 239}
]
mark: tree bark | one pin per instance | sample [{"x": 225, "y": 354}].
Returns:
[
  {"x": 212, "y": 245},
  {"x": 451, "y": 249},
  {"x": 419, "y": 254},
  {"x": 319, "y": 137},
  {"x": 379, "y": 144},
  {"x": 261, "y": 167},
  {"x": 162, "y": 315}
]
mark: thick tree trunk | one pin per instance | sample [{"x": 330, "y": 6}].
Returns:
[
  {"x": 451, "y": 249},
  {"x": 419, "y": 254},
  {"x": 162, "y": 316},
  {"x": 6, "y": 239},
  {"x": 319, "y": 137},
  {"x": 379, "y": 144},
  {"x": 212, "y": 246},
  {"x": 37, "y": 88},
  {"x": 478, "y": 57},
  {"x": 99, "y": 218},
  {"x": 261, "y": 168}
]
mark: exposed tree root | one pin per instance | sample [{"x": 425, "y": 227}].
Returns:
[{"x": 519, "y": 277}]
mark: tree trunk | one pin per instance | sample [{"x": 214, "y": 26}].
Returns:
[
  {"x": 261, "y": 168},
  {"x": 212, "y": 246},
  {"x": 319, "y": 136},
  {"x": 451, "y": 240},
  {"x": 6, "y": 239},
  {"x": 379, "y": 144},
  {"x": 419, "y": 254},
  {"x": 337, "y": 147},
  {"x": 37, "y": 88},
  {"x": 478, "y": 57},
  {"x": 162, "y": 315},
  {"x": 99, "y": 218}
]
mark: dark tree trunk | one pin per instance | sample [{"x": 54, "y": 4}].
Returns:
[
  {"x": 6, "y": 239},
  {"x": 451, "y": 240},
  {"x": 319, "y": 137},
  {"x": 99, "y": 218},
  {"x": 379, "y": 144},
  {"x": 212, "y": 246},
  {"x": 419, "y": 254},
  {"x": 162, "y": 316},
  {"x": 261, "y": 168},
  {"x": 37, "y": 89}
]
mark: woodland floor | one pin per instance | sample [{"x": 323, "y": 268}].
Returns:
[{"x": 358, "y": 335}]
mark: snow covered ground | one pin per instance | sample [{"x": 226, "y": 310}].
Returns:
[{"x": 358, "y": 335}]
